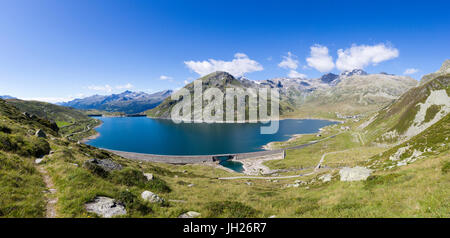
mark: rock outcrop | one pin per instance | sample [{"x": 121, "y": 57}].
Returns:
[
  {"x": 190, "y": 214},
  {"x": 149, "y": 176},
  {"x": 106, "y": 207},
  {"x": 151, "y": 197},
  {"x": 325, "y": 178},
  {"x": 41, "y": 134},
  {"x": 105, "y": 164},
  {"x": 354, "y": 174}
]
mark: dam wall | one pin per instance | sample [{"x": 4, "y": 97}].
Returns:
[{"x": 196, "y": 159}]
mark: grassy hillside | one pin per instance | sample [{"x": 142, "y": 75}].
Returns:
[
  {"x": 21, "y": 186},
  {"x": 409, "y": 178},
  {"x": 393, "y": 121},
  {"x": 418, "y": 189},
  {"x": 71, "y": 122}
]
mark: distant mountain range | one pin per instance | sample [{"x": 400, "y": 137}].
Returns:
[
  {"x": 351, "y": 92},
  {"x": 7, "y": 97},
  {"x": 127, "y": 102}
]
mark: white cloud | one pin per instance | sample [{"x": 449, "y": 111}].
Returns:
[
  {"x": 126, "y": 86},
  {"x": 359, "y": 56},
  {"x": 411, "y": 71},
  {"x": 49, "y": 99},
  {"x": 239, "y": 66},
  {"x": 165, "y": 77},
  {"x": 105, "y": 88},
  {"x": 320, "y": 59},
  {"x": 55, "y": 99},
  {"x": 295, "y": 74},
  {"x": 186, "y": 82},
  {"x": 240, "y": 55},
  {"x": 289, "y": 61}
]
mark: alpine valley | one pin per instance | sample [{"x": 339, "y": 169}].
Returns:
[{"x": 389, "y": 155}]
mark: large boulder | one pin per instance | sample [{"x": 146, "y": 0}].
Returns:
[
  {"x": 149, "y": 176},
  {"x": 325, "y": 178},
  {"x": 40, "y": 133},
  {"x": 354, "y": 174},
  {"x": 190, "y": 214},
  {"x": 101, "y": 167},
  {"x": 105, "y": 164},
  {"x": 151, "y": 197},
  {"x": 105, "y": 207}
]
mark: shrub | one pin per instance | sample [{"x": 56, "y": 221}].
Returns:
[
  {"x": 158, "y": 185},
  {"x": 5, "y": 129},
  {"x": 229, "y": 209},
  {"x": 267, "y": 194},
  {"x": 446, "y": 167},
  {"x": 96, "y": 169},
  {"x": 346, "y": 206},
  {"x": 182, "y": 183},
  {"x": 134, "y": 177},
  {"x": 7, "y": 143},
  {"x": 129, "y": 177},
  {"x": 306, "y": 205},
  {"x": 132, "y": 202},
  {"x": 36, "y": 147},
  {"x": 375, "y": 180},
  {"x": 94, "y": 152}
]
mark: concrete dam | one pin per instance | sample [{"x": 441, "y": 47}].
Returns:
[{"x": 196, "y": 159}]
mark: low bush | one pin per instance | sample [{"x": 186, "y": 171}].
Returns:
[
  {"x": 5, "y": 129},
  {"x": 229, "y": 209},
  {"x": 446, "y": 167},
  {"x": 134, "y": 177},
  {"x": 128, "y": 177},
  {"x": 375, "y": 180},
  {"x": 36, "y": 147},
  {"x": 96, "y": 169},
  {"x": 132, "y": 202},
  {"x": 306, "y": 205},
  {"x": 158, "y": 185}
]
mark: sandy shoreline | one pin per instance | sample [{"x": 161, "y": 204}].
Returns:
[
  {"x": 279, "y": 119},
  {"x": 96, "y": 135}
]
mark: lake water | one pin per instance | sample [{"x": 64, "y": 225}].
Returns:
[{"x": 156, "y": 136}]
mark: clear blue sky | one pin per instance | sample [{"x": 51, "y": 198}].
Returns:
[{"x": 57, "y": 49}]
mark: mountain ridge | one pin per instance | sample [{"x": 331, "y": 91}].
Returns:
[
  {"x": 127, "y": 102},
  {"x": 357, "y": 91}
]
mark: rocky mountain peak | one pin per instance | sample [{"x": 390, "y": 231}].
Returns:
[
  {"x": 445, "y": 67},
  {"x": 353, "y": 72},
  {"x": 218, "y": 79},
  {"x": 218, "y": 75},
  {"x": 328, "y": 78}
]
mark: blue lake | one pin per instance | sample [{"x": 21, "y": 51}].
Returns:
[{"x": 155, "y": 136}]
